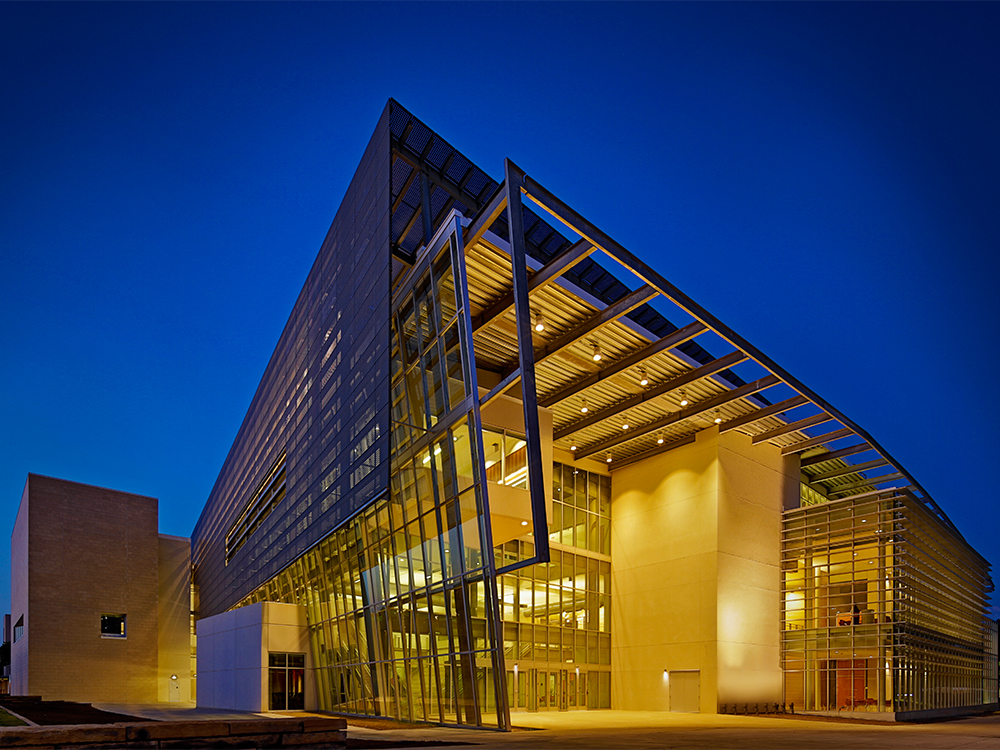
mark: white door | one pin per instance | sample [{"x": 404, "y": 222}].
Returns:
[{"x": 685, "y": 691}]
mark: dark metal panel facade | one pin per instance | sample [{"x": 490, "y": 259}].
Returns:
[{"x": 323, "y": 400}]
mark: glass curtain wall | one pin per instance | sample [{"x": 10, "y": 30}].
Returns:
[
  {"x": 557, "y": 615},
  {"x": 883, "y": 608},
  {"x": 401, "y": 605}
]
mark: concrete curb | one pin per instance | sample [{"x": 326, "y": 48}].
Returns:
[{"x": 159, "y": 735}]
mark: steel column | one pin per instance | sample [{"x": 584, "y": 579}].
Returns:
[{"x": 513, "y": 180}]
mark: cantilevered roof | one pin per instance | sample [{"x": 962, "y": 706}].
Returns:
[{"x": 668, "y": 368}]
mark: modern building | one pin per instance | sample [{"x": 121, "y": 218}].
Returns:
[
  {"x": 101, "y": 602},
  {"x": 499, "y": 463}
]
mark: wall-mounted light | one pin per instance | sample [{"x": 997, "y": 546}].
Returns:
[
  {"x": 597, "y": 352},
  {"x": 539, "y": 322},
  {"x": 684, "y": 398},
  {"x": 643, "y": 380},
  {"x": 583, "y": 406}
]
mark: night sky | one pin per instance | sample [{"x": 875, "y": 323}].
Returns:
[{"x": 825, "y": 178}]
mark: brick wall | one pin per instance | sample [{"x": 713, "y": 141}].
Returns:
[{"x": 90, "y": 551}]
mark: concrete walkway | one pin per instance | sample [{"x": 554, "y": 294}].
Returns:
[
  {"x": 610, "y": 730},
  {"x": 596, "y": 730}
]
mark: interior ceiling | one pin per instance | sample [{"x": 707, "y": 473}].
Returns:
[{"x": 583, "y": 305}]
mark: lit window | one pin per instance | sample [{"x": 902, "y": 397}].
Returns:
[{"x": 112, "y": 626}]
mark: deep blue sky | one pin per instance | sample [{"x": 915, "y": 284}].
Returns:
[{"x": 823, "y": 177}]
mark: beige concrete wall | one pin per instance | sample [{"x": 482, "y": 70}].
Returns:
[
  {"x": 232, "y": 654},
  {"x": 695, "y": 585},
  {"x": 664, "y": 545},
  {"x": 19, "y": 653},
  {"x": 231, "y": 658},
  {"x": 91, "y": 551},
  {"x": 755, "y": 483},
  {"x": 173, "y": 679}
]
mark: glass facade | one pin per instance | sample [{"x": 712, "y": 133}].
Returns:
[
  {"x": 557, "y": 615},
  {"x": 581, "y": 509},
  {"x": 403, "y": 619},
  {"x": 882, "y": 609}
]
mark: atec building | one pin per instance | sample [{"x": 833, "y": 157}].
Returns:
[{"x": 497, "y": 463}]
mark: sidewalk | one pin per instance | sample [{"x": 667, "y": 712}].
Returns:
[{"x": 611, "y": 730}]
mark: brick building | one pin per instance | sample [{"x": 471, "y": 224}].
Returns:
[{"x": 100, "y": 601}]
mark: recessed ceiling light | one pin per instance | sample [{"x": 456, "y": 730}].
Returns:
[
  {"x": 597, "y": 352},
  {"x": 539, "y": 323},
  {"x": 583, "y": 406},
  {"x": 684, "y": 398}
]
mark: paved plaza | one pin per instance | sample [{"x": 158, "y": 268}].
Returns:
[
  {"x": 608, "y": 730},
  {"x": 599, "y": 730}
]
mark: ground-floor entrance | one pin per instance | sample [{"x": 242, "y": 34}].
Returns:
[
  {"x": 287, "y": 678},
  {"x": 553, "y": 688}
]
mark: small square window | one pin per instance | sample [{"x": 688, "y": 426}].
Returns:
[{"x": 112, "y": 626}]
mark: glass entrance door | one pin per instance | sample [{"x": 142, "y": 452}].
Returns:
[{"x": 287, "y": 681}]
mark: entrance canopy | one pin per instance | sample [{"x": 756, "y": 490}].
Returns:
[{"x": 628, "y": 363}]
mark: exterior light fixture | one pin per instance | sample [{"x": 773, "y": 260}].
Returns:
[
  {"x": 597, "y": 352},
  {"x": 583, "y": 406},
  {"x": 625, "y": 425},
  {"x": 609, "y": 456},
  {"x": 572, "y": 447},
  {"x": 524, "y": 523},
  {"x": 718, "y": 417},
  {"x": 684, "y": 398},
  {"x": 539, "y": 323},
  {"x": 643, "y": 380},
  {"x": 659, "y": 439}
]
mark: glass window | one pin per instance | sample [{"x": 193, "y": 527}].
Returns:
[{"x": 113, "y": 626}]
